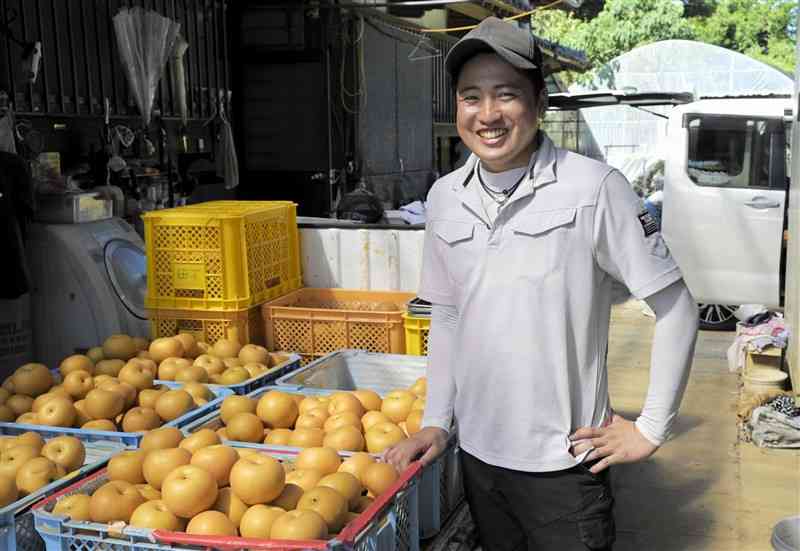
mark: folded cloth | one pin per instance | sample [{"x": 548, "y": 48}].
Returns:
[
  {"x": 413, "y": 213},
  {"x": 736, "y": 352},
  {"x": 774, "y": 327},
  {"x": 773, "y": 335},
  {"x": 758, "y": 319},
  {"x": 417, "y": 207},
  {"x": 785, "y": 404},
  {"x": 772, "y": 429}
]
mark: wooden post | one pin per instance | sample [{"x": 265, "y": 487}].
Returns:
[{"x": 792, "y": 279}]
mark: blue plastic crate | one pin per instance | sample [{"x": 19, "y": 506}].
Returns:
[
  {"x": 274, "y": 373},
  {"x": 441, "y": 489},
  {"x": 130, "y": 439},
  {"x": 393, "y": 525},
  {"x": 16, "y": 519}
]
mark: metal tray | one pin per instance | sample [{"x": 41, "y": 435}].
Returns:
[{"x": 353, "y": 369}]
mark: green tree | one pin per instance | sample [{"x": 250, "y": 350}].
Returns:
[
  {"x": 762, "y": 29},
  {"x": 626, "y": 24},
  {"x": 621, "y": 26}
]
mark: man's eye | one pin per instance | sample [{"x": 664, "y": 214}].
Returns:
[
  {"x": 469, "y": 99},
  {"x": 507, "y": 95}
]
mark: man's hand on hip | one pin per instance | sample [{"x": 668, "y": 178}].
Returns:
[
  {"x": 426, "y": 446},
  {"x": 618, "y": 442}
]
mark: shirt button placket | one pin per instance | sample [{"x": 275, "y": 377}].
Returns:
[{"x": 496, "y": 231}]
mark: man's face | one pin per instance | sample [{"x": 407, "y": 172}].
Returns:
[{"x": 497, "y": 112}]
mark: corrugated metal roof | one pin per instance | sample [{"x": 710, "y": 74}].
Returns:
[
  {"x": 561, "y": 58},
  {"x": 556, "y": 57}
]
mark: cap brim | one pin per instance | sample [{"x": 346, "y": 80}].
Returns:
[{"x": 465, "y": 49}]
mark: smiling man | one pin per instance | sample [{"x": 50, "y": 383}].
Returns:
[{"x": 523, "y": 245}]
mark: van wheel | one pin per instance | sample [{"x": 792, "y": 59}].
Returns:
[{"x": 717, "y": 317}]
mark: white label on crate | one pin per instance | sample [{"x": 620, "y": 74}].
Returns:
[
  {"x": 190, "y": 276},
  {"x": 15, "y": 337},
  {"x": 90, "y": 209}
]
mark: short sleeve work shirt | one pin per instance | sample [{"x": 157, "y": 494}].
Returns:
[{"x": 533, "y": 292}]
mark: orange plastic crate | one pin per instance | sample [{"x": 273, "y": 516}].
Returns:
[
  {"x": 246, "y": 325},
  {"x": 313, "y": 322}
]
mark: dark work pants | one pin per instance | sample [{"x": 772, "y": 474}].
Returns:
[{"x": 569, "y": 510}]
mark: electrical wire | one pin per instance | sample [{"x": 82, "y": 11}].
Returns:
[
  {"x": 359, "y": 93},
  {"x": 414, "y": 3},
  {"x": 512, "y": 18}
]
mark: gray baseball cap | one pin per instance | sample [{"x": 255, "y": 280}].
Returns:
[{"x": 515, "y": 45}]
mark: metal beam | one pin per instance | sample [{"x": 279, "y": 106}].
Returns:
[{"x": 473, "y": 11}]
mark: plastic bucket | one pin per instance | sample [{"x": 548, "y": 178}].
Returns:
[
  {"x": 786, "y": 535},
  {"x": 763, "y": 380}
]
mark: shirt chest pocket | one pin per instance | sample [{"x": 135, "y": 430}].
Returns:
[
  {"x": 542, "y": 241},
  {"x": 462, "y": 247}
]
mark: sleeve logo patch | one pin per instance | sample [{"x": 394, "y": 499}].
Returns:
[{"x": 649, "y": 223}]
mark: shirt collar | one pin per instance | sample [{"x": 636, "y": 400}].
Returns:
[{"x": 543, "y": 171}]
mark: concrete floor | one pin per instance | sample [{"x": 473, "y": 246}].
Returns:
[{"x": 703, "y": 490}]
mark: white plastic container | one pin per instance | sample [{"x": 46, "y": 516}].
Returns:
[
  {"x": 786, "y": 535},
  {"x": 764, "y": 380},
  {"x": 349, "y": 257}
]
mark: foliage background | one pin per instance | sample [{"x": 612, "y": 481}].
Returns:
[{"x": 762, "y": 29}]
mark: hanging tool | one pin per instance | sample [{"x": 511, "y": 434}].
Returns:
[
  {"x": 180, "y": 77},
  {"x": 426, "y": 45},
  {"x": 31, "y": 51}
]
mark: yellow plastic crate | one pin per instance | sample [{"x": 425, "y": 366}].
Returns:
[
  {"x": 246, "y": 326},
  {"x": 313, "y": 322},
  {"x": 221, "y": 255},
  {"x": 417, "y": 329}
]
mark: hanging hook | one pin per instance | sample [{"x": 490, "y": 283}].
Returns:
[
  {"x": 428, "y": 47},
  {"x": 222, "y": 105},
  {"x": 214, "y": 115}
]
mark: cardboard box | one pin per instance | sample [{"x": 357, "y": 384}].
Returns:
[{"x": 769, "y": 358}]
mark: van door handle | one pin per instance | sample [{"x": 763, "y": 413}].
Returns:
[{"x": 761, "y": 202}]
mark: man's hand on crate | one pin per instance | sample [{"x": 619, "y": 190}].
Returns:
[{"x": 426, "y": 446}]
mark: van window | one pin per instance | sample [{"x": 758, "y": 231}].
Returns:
[{"x": 736, "y": 152}]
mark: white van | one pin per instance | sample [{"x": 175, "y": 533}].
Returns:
[{"x": 726, "y": 179}]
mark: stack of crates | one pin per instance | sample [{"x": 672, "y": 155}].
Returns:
[
  {"x": 417, "y": 324},
  {"x": 210, "y": 267}
]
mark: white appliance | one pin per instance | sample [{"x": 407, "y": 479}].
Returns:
[
  {"x": 725, "y": 191},
  {"x": 89, "y": 283}
]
